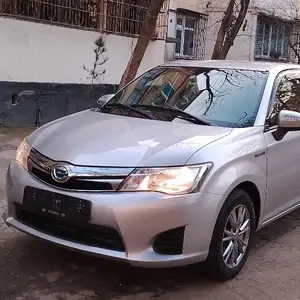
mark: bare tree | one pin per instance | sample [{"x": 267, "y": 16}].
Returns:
[
  {"x": 294, "y": 44},
  {"x": 143, "y": 41},
  {"x": 231, "y": 23},
  {"x": 290, "y": 11}
]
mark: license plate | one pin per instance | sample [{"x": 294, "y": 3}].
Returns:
[{"x": 56, "y": 206}]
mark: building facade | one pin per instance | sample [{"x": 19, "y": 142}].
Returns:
[
  {"x": 268, "y": 31},
  {"x": 46, "y": 43},
  {"x": 187, "y": 26}
]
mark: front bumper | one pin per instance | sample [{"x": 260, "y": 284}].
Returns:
[{"x": 138, "y": 217}]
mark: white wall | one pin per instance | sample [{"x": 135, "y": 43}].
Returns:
[
  {"x": 243, "y": 48},
  {"x": 288, "y": 9},
  {"x": 193, "y": 5},
  {"x": 33, "y": 52},
  {"x": 170, "y": 47},
  {"x": 277, "y": 7}
]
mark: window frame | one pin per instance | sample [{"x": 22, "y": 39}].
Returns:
[
  {"x": 126, "y": 17},
  {"x": 272, "y": 101},
  {"x": 182, "y": 28},
  {"x": 272, "y": 22}
]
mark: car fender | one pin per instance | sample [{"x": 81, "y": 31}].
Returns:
[{"x": 225, "y": 179}]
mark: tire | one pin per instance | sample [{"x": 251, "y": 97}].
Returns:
[{"x": 238, "y": 201}]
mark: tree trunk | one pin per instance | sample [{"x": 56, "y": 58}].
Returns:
[
  {"x": 295, "y": 48},
  {"x": 143, "y": 41},
  {"x": 229, "y": 29},
  {"x": 223, "y": 30}
]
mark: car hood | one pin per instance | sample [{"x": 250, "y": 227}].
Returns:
[{"x": 97, "y": 139}]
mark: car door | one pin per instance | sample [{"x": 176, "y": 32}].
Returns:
[{"x": 283, "y": 156}]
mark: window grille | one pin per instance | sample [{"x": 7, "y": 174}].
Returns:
[{"x": 123, "y": 17}]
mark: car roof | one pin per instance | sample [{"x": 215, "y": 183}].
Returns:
[{"x": 232, "y": 64}]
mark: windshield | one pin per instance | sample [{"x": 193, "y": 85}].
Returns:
[{"x": 223, "y": 97}]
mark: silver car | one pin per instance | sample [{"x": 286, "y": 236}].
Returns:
[{"x": 181, "y": 166}]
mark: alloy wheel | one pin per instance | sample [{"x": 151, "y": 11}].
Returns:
[{"x": 236, "y": 236}]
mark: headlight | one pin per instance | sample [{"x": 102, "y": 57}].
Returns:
[
  {"x": 173, "y": 180},
  {"x": 23, "y": 153}
]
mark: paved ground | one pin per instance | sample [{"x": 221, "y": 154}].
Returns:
[{"x": 34, "y": 270}]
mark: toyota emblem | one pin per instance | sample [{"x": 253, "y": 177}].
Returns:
[{"x": 60, "y": 174}]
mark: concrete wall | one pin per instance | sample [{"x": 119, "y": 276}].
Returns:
[
  {"x": 170, "y": 47},
  {"x": 55, "y": 100},
  {"x": 33, "y": 52},
  {"x": 243, "y": 48},
  {"x": 222, "y": 4},
  {"x": 193, "y": 5},
  {"x": 50, "y": 60},
  {"x": 282, "y": 8}
]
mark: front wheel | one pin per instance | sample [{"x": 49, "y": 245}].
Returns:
[{"x": 232, "y": 236}]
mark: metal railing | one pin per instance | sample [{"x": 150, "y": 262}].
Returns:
[{"x": 112, "y": 16}]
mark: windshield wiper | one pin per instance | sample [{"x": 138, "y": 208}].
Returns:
[
  {"x": 127, "y": 107},
  {"x": 179, "y": 113}
]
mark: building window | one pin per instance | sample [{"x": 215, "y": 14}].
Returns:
[
  {"x": 185, "y": 34},
  {"x": 272, "y": 39},
  {"x": 124, "y": 17},
  {"x": 190, "y": 36},
  {"x": 79, "y": 13}
]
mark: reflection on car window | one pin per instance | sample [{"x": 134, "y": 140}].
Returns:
[
  {"x": 225, "y": 97},
  {"x": 287, "y": 95}
]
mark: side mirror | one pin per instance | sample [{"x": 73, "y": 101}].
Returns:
[
  {"x": 286, "y": 121},
  {"x": 289, "y": 120},
  {"x": 104, "y": 99}
]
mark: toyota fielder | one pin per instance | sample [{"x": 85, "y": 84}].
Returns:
[{"x": 181, "y": 166}]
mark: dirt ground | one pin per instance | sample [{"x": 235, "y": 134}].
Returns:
[{"x": 31, "y": 269}]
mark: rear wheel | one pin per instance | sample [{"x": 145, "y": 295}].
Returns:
[{"x": 232, "y": 236}]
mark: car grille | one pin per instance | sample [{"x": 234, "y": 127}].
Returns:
[
  {"x": 85, "y": 234},
  {"x": 73, "y": 183},
  {"x": 83, "y": 178},
  {"x": 170, "y": 242}
]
